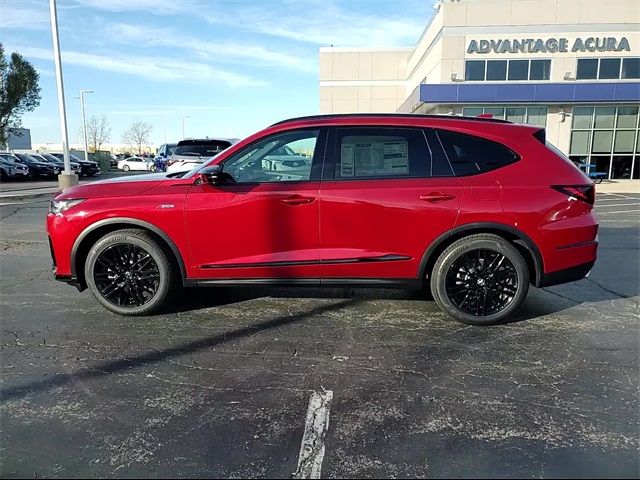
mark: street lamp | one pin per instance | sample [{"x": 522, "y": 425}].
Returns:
[
  {"x": 84, "y": 124},
  {"x": 183, "y": 119},
  {"x": 67, "y": 178}
]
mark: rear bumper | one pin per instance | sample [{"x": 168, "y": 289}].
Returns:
[
  {"x": 566, "y": 275},
  {"x": 70, "y": 280}
]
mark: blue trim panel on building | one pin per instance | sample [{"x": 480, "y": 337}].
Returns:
[{"x": 600, "y": 92}]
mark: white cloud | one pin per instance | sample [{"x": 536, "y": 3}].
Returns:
[
  {"x": 151, "y": 68},
  {"x": 156, "y": 7},
  {"x": 224, "y": 51},
  {"x": 24, "y": 15},
  {"x": 324, "y": 23}
]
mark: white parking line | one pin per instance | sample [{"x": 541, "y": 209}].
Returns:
[
  {"x": 619, "y": 211},
  {"x": 315, "y": 430},
  {"x": 620, "y": 196},
  {"x": 620, "y": 205}
]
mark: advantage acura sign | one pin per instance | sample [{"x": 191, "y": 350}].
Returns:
[{"x": 549, "y": 45}]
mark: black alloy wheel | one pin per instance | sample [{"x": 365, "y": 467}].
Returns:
[
  {"x": 481, "y": 279},
  {"x": 126, "y": 275},
  {"x": 130, "y": 272},
  {"x": 481, "y": 282}
]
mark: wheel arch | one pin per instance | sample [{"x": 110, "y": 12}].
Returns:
[
  {"x": 95, "y": 231},
  {"x": 521, "y": 240}
]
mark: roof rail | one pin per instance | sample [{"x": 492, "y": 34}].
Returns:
[{"x": 330, "y": 116}]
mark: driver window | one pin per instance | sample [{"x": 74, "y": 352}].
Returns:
[{"x": 284, "y": 157}]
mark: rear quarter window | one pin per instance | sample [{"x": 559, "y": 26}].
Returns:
[{"x": 471, "y": 155}]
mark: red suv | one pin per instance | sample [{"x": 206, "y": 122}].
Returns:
[{"x": 475, "y": 209}]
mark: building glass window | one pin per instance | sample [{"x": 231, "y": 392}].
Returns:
[
  {"x": 587, "y": 69},
  {"x": 501, "y": 70},
  {"x": 627, "y": 117},
  {"x": 582, "y": 117},
  {"x": 497, "y": 70},
  {"x": 516, "y": 115},
  {"x": 518, "y": 69},
  {"x": 530, "y": 115},
  {"x": 606, "y": 137},
  {"x": 474, "y": 70},
  {"x": 580, "y": 143},
  {"x": 537, "y": 116},
  {"x": 609, "y": 68},
  {"x": 472, "y": 111},
  {"x": 540, "y": 70},
  {"x": 605, "y": 116},
  {"x": 630, "y": 68}
]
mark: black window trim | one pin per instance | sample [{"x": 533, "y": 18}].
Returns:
[
  {"x": 516, "y": 155},
  {"x": 317, "y": 164},
  {"x": 598, "y": 61},
  {"x": 332, "y": 154}
]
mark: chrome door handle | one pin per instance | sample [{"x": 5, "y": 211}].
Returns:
[{"x": 437, "y": 197}]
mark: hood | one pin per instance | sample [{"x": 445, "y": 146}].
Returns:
[{"x": 114, "y": 187}]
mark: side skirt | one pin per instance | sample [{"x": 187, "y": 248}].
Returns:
[{"x": 401, "y": 283}]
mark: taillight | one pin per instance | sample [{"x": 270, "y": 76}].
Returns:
[{"x": 586, "y": 193}]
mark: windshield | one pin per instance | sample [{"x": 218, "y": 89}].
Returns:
[
  {"x": 27, "y": 158},
  {"x": 50, "y": 158},
  {"x": 200, "y": 149}
]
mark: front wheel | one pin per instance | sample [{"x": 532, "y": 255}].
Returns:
[
  {"x": 126, "y": 168},
  {"x": 130, "y": 273},
  {"x": 481, "y": 279}
]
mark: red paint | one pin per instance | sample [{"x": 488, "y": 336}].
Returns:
[{"x": 317, "y": 224}]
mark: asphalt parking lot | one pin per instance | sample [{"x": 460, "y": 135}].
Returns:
[{"x": 220, "y": 387}]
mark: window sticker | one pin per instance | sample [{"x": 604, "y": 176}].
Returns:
[{"x": 374, "y": 156}]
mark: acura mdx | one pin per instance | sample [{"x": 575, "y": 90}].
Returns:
[{"x": 472, "y": 209}]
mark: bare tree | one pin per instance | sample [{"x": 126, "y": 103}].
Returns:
[
  {"x": 137, "y": 135},
  {"x": 98, "y": 132}
]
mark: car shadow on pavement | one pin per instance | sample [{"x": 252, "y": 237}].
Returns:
[{"x": 127, "y": 363}]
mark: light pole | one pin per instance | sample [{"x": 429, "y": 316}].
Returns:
[
  {"x": 67, "y": 178},
  {"x": 183, "y": 119},
  {"x": 84, "y": 124}
]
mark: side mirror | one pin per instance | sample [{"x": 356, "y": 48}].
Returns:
[{"x": 211, "y": 175}]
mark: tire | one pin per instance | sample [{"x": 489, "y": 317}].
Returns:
[
  {"x": 459, "y": 280},
  {"x": 125, "y": 168},
  {"x": 118, "y": 289}
]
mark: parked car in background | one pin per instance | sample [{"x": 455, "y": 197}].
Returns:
[
  {"x": 164, "y": 152},
  {"x": 87, "y": 167},
  {"x": 37, "y": 168},
  {"x": 464, "y": 207},
  {"x": 193, "y": 151},
  {"x": 135, "y": 163},
  {"x": 10, "y": 170},
  {"x": 48, "y": 158},
  {"x": 284, "y": 159}
]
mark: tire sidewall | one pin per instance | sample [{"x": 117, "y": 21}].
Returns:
[
  {"x": 449, "y": 256},
  {"x": 152, "y": 249}
]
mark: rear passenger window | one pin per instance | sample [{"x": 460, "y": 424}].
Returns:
[
  {"x": 471, "y": 155},
  {"x": 380, "y": 153}
]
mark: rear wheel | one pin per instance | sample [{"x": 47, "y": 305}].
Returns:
[
  {"x": 126, "y": 168},
  {"x": 480, "y": 279},
  {"x": 130, "y": 273}
]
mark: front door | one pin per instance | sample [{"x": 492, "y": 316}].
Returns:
[
  {"x": 386, "y": 196},
  {"x": 263, "y": 223}
]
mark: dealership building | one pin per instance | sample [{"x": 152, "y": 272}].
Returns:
[{"x": 571, "y": 66}]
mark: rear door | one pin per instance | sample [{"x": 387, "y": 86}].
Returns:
[{"x": 386, "y": 195}]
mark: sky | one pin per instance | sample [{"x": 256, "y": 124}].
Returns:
[{"x": 234, "y": 66}]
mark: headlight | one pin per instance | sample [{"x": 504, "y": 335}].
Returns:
[{"x": 59, "y": 206}]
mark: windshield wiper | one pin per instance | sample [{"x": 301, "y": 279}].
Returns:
[{"x": 195, "y": 154}]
